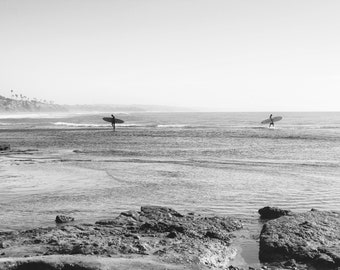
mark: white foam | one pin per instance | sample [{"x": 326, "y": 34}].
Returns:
[
  {"x": 172, "y": 126},
  {"x": 132, "y": 125},
  {"x": 78, "y": 124},
  {"x": 69, "y": 124}
]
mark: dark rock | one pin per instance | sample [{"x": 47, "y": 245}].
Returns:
[
  {"x": 63, "y": 219},
  {"x": 106, "y": 222},
  {"x": 291, "y": 263},
  {"x": 218, "y": 235},
  {"x": 273, "y": 212},
  {"x": 325, "y": 260},
  {"x": 311, "y": 237},
  {"x": 132, "y": 214},
  {"x": 172, "y": 235},
  {"x": 231, "y": 267},
  {"x": 157, "y": 212},
  {"x": 132, "y": 235},
  {"x": 5, "y": 147},
  {"x": 161, "y": 227},
  {"x": 4, "y": 244}
]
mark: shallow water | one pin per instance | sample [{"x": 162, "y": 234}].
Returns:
[{"x": 213, "y": 163}]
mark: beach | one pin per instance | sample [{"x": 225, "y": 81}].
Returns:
[{"x": 213, "y": 164}]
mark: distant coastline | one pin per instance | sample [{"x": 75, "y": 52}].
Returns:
[{"x": 10, "y": 105}]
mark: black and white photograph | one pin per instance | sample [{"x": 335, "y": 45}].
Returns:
[{"x": 169, "y": 135}]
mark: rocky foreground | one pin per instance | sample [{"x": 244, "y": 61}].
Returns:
[
  {"x": 162, "y": 238},
  {"x": 160, "y": 235}
]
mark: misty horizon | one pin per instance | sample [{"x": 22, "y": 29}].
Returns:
[{"x": 148, "y": 107}]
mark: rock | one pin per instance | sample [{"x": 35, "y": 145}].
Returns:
[
  {"x": 107, "y": 222},
  {"x": 312, "y": 237},
  {"x": 218, "y": 235},
  {"x": 4, "y": 244},
  {"x": 172, "y": 235},
  {"x": 162, "y": 226},
  {"x": 273, "y": 212},
  {"x": 63, "y": 219},
  {"x": 159, "y": 211},
  {"x": 291, "y": 263},
  {"x": 5, "y": 147},
  {"x": 325, "y": 260},
  {"x": 132, "y": 214}
]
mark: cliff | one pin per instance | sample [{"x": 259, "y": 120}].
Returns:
[
  {"x": 14, "y": 105},
  {"x": 30, "y": 105}
]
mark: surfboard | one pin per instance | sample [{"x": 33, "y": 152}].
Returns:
[
  {"x": 110, "y": 119},
  {"x": 275, "y": 119}
]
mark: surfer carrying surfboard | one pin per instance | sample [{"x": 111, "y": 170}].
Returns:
[
  {"x": 113, "y": 122},
  {"x": 271, "y": 121}
]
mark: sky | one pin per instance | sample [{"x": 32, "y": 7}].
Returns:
[{"x": 229, "y": 55}]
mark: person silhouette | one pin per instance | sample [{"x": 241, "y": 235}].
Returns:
[
  {"x": 271, "y": 121},
  {"x": 113, "y": 123}
]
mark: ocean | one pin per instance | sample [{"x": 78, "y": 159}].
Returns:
[{"x": 211, "y": 163}]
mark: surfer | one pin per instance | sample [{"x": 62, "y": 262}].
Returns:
[
  {"x": 113, "y": 122},
  {"x": 271, "y": 121}
]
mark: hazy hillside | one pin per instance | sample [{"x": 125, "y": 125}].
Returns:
[
  {"x": 25, "y": 105},
  {"x": 29, "y": 105}
]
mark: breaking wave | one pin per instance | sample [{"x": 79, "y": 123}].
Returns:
[
  {"x": 66, "y": 124},
  {"x": 89, "y": 125},
  {"x": 174, "y": 126}
]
